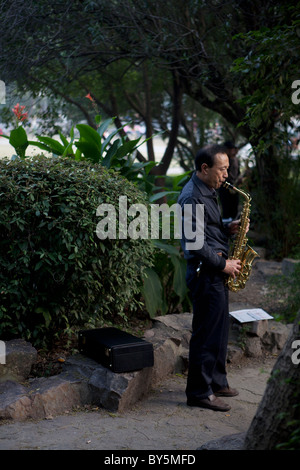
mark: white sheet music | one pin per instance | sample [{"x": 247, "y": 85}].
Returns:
[{"x": 252, "y": 314}]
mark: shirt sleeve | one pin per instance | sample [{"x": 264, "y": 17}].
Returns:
[{"x": 194, "y": 235}]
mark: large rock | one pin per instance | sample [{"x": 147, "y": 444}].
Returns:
[
  {"x": 261, "y": 336},
  {"x": 19, "y": 358},
  {"x": 44, "y": 398},
  {"x": 14, "y": 401},
  {"x": 83, "y": 381},
  {"x": 105, "y": 388},
  {"x": 275, "y": 338}
]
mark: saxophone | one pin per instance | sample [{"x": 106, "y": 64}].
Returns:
[{"x": 241, "y": 249}]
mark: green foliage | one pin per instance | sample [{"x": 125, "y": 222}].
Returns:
[
  {"x": 164, "y": 288},
  {"x": 18, "y": 139},
  {"x": 280, "y": 221},
  {"x": 54, "y": 271},
  {"x": 92, "y": 145},
  {"x": 291, "y": 441},
  {"x": 287, "y": 288},
  {"x": 267, "y": 73},
  {"x": 266, "y": 76}
]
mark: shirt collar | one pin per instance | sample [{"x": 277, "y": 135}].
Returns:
[{"x": 204, "y": 189}]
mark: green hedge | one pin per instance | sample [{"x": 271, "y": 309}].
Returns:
[{"x": 54, "y": 271}]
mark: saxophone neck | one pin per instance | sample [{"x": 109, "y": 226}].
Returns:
[{"x": 243, "y": 193}]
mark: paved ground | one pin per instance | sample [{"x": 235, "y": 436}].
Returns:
[{"x": 163, "y": 421}]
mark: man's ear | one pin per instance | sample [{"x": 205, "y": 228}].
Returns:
[{"x": 204, "y": 168}]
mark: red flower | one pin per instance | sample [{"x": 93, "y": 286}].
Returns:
[
  {"x": 89, "y": 97},
  {"x": 18, "y": 112}
]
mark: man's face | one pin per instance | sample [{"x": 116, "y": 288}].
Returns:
[{"x": 217, "y": 174}]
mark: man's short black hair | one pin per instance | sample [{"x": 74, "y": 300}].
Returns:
[{"x": 207, "y": 155}]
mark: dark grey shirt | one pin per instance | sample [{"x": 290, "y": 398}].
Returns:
[{"x": 215, "y": 233}]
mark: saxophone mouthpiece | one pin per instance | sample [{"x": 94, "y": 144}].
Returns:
[{"x": 228, "y": 185}]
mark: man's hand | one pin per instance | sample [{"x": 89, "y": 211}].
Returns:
[
  {"x": 233, "y": 267},
  {"x": 235, "y": 225}
]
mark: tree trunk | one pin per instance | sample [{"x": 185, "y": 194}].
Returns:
[
  {"x": 279, "y": 411},
  {"x": 162, "y": 168}
]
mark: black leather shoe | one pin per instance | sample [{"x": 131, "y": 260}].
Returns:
[
  {"x": 226, "y": 392},
  {"x": 211, "y": 402}
]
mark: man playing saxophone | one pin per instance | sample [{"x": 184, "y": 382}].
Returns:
[{"x": 208, "y": 268}]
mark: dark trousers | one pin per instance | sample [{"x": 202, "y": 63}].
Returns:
[{"x": 208, "y": 344}]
